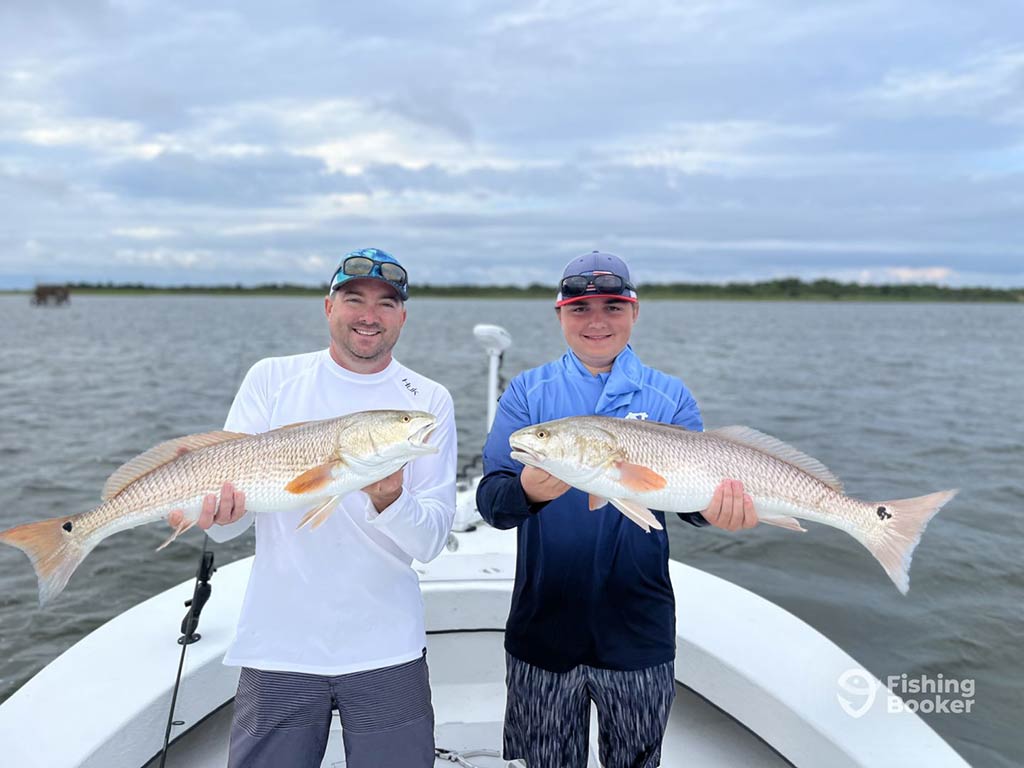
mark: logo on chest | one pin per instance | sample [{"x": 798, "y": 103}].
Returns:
[{"x": 638, "y": 416}]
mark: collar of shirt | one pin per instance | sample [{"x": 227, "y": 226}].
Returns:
[
  {"x": 358, "y": 378},
  {"x": 620, "y": 384}
]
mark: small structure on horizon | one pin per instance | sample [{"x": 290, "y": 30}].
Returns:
[{"x": 51, "y": 294}]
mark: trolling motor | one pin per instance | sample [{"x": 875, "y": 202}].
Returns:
[
  {"x": 199, "y": 598},
  {"x": 495, "y": 340}
]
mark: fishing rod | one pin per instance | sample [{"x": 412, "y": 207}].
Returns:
[{"x": 200, "y": 594}]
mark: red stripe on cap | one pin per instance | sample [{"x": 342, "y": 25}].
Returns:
[{"x": 619, "y": 296}]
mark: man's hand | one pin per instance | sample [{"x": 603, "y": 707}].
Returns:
[
  {"x": 731, "y": 508},
  {"x": 385, "y": 492},
  {"x": 229, "y": 509},
  {"x": 541, "y": 486}
]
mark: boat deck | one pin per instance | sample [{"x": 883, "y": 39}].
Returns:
[
  {"x": 739, "y": 702},
  {"x": 469, "y": 702}
]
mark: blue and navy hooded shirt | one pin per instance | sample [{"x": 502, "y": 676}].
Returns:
[{"x": 591, "y": 586}]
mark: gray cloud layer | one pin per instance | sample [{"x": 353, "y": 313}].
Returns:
[{"x": 735, "y": 139}]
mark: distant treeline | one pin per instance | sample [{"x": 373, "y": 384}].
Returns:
[{"x": 772, "y": 290}]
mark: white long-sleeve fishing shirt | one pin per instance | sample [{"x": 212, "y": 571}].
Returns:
[{"x": 344, "y": 597}]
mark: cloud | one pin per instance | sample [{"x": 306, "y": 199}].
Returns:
[
  {"x": 177, "y": 141},
  {"x": 908, "y": 275},
  {"x": 260, "y": 180},
  {"x": 726, "y": 147},
  {"x": 36, "y": 126},
  {"x": 160, "y": 257},
  {"x": 144, "y": 233},
  {"x": 990, "y": 84}
]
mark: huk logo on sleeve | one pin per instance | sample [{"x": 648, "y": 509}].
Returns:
[
  {"x": 410, "y": 387},
  {"x": 638, "y": 416}
]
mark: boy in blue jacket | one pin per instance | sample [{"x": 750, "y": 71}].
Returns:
[{"x": 593, "y": 613}]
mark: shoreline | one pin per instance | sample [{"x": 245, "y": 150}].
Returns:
[{"x": 749, "y": 292}]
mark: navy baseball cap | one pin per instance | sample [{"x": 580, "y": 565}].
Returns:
[
  {"x": 595, "y": 274},
  {"x": 375, "y": 264}
]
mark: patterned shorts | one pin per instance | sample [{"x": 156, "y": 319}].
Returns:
[{"x": 547, "y": 716}]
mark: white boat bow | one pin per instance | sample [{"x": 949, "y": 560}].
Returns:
[{"x": 756, "y": 684}]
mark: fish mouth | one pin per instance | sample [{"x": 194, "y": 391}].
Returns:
[
  {"x": 525, "y": 456},
  {"x": 418, "y": 439}
]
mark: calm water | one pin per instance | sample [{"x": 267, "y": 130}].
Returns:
[{"x": 897, "y": 399}]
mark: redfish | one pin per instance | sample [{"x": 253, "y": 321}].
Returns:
[
  {"x": 643, "y": 465},
  {"x": 303, "y": 466}
]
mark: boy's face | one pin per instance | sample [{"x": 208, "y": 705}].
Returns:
[{"x": 598, "y": 329}]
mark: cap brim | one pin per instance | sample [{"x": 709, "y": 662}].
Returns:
[
  {"x": 574, "y": 299},
  {"x": 354, "y": 278}
]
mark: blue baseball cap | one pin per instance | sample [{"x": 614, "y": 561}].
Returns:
[
  {"x": 594, "y": 265},
  {"x": 372, "y": 264}
]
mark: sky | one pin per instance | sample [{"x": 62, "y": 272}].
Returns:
[{"x": 173, "y": 142}]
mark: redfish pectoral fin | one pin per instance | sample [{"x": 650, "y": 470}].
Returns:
[
  {"x": 639, "y": 478},
  {"x": 313, "y": 479}
]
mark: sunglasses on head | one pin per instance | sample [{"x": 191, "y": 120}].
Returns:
[
  {"x": 577, "y": 285},
  {"x": 363, "y": 266}
]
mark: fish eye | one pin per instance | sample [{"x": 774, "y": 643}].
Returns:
[
  {"x": 541, "y": 434},
  {"x": 406, "y": 418}
]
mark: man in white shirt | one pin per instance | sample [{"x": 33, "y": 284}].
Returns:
[{"x": 333, "y": 618}]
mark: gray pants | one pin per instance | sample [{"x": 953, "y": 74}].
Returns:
[
  {"x": 284, "y": 718},
  {"x": 547, "y": 714}
]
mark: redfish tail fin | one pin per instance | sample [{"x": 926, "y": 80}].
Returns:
[
  {"x": 53, "y": 549},
  {"x": 905, "y": 521}
]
